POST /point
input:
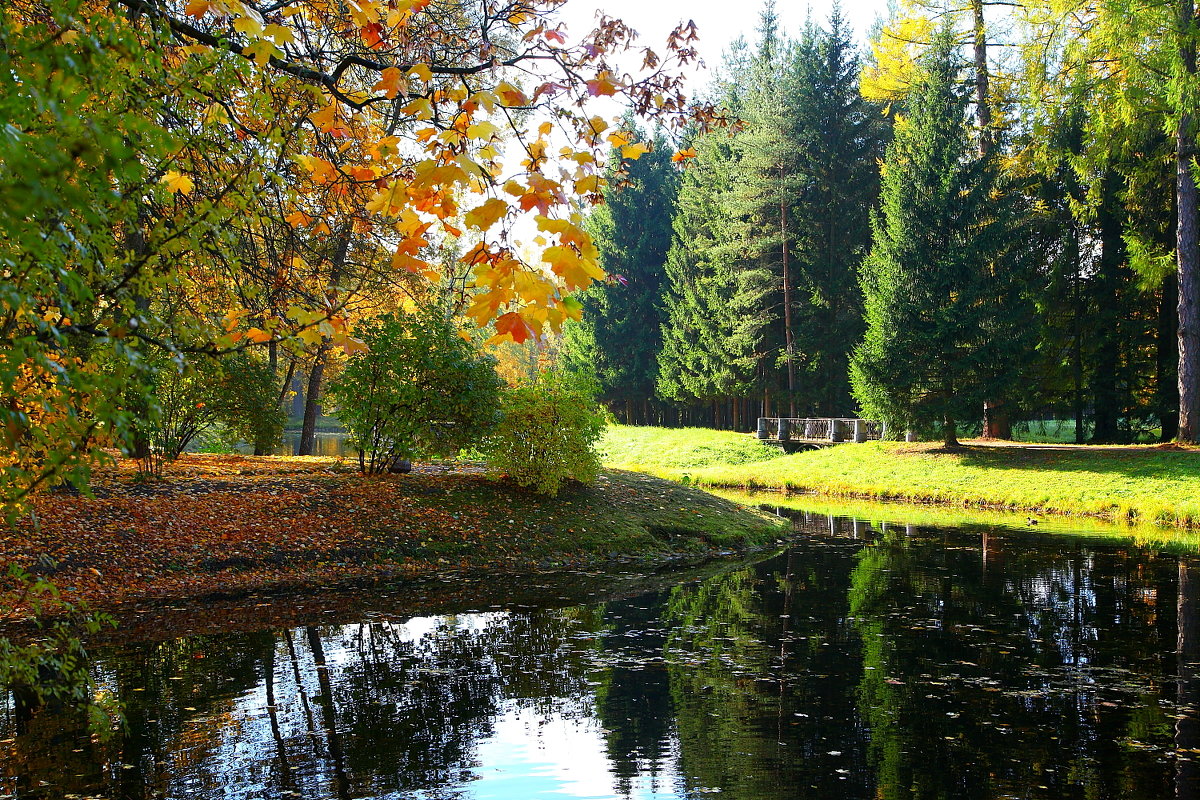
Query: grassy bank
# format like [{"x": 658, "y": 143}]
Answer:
[
  {"x": 222, "y": 525},
  {"x": 1159, "y": 485}
]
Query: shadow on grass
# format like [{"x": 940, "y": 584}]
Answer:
[{"x": 1130, "y": 463}]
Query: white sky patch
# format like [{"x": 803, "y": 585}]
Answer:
[{"x": 532, "y": 756}]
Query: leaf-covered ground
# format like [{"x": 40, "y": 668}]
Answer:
[{"x": 230, "y": 524}]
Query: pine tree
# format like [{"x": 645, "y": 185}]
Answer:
[
  {"x": 713, "y": 321},
  {"x": 931, "y": 353},
  {"x": 620, "y": 335},
  {"x": 838, "y": 138}
]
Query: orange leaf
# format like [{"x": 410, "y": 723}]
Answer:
[
  {"x": 603, "y": 85},
  {"x": 511, "y": 324},
  {"x": 391, "y": 83},
  {"x": 683, "y": 155}
]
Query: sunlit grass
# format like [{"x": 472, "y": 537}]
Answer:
[
  {"x": 675, "y": 452},
  {"x": 1146, "y": 484}
]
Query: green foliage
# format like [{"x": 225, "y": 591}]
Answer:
[
  {"x": 89, "y": 235},
  {"x": 237, "y": 392},
  {"x": 934, "y": 349},
  {"x": 620, "y": 334},
  {"x": 547, "y": 433},
  {"x": 248, "y": 402},
  {"x": 770, "y": 227},
  {"x": 50, "y": 667},
  {"x": 419, "y": 389}
]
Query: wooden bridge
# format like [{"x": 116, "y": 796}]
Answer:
[{"x": 817, "y": 432}]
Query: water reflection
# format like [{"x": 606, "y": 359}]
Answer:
[{"x": 889, "y": 662}]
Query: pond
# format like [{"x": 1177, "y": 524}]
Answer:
[{"x": 862, "y": 661}]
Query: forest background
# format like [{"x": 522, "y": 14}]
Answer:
[{"x": 205, "y": 198}]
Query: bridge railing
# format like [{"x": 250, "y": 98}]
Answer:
[{"x": 823, "y": 429}]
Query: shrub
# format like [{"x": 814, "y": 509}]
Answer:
[
  {"x": 547, "y": 433},
  {"x": 237, "y": 391},
  {"x": 419, "y": 389}
]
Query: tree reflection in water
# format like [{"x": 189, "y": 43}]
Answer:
[{"x": 865, "y": 661}]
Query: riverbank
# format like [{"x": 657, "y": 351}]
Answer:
[
  {"x": 1147, "y": 484},
  {"x": 229, "y": 525}
]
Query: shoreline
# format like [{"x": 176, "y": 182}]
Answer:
[{"x": 1153, "y": 484}]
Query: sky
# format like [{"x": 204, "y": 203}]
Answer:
[{"x": 718, "y": 23}]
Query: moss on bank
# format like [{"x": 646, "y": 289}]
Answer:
[{"x": 223, "y": 525}]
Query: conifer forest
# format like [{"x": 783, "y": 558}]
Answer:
[{"x": 984, "y": 216}]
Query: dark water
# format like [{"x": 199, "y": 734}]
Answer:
[
  {"x": 859, "y": 663},
  {"x": 324, "y": 444}
]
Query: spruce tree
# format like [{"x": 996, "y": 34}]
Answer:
[
  {"x": 838, "y": 138},
  {"x": 932, "y": 352},
  {"x": 620, "y": 335},
  {"x": 713, "y": 321}
]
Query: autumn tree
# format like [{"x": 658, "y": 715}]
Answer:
[{"x": 379, "y": 128}]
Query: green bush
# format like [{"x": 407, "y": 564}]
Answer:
[
  {"x": 419, "y": 389},
  {"x": 547, "y": 433},
  {"x": 237, "y": 392},
  {"x": 50, "y": 667}
]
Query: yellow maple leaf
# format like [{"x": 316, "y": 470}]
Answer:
[
  {"x": 620, "y": 138},
  {"x": 421, "y": 108},
  {"x": 281, "y": 34},
  {"x": 634, "y": 151},
  {"x": 261, "y": 51},
  {"x": 483, "y": 130},
  {"x": 485, "y": 216},
  {"x": 177, "y": 182},
  {"x": 575, "y": 270},
  {"x": 421, "y": 71}
]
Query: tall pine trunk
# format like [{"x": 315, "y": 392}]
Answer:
[
  {"x": 1187, "y": 250},
  {"x": 788, "y": 336},
  {"x": 996, "y": 421}
]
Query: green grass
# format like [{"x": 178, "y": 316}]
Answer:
[
  {"x": 675, "y": 452},
  {"x": 1143, "y": 484}
]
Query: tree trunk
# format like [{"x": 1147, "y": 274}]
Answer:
[
  {"x": 312, "y": 396},
  {"x": 1166, "y": 357},
  {"x": 312, "y": 399},
  {"x": 949, "y": 433},
  {"x": 788, "y": 339},
  {"x": 997, "y": 424},
  {"x": 1187, "y": 251},
  {"x": 1108, "y": 280}
]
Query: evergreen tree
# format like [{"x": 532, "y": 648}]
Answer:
[
  {"x": 932, "y": 353},
  {"x": 712, "y": 314},
  {"x": 619, "y": 337},
  {"x": 838, "y": 138}
]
